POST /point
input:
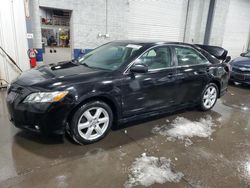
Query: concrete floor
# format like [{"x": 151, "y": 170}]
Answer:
[{"x": 29, "y": 160}]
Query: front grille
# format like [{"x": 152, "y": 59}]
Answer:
[
  {"x": 19, "y": 90},
  {"x": 242, "y": 71}
]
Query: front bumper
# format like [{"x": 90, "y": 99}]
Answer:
[
  {"x": 45, "y": 118},
  {"x": 240, "y": 77}
]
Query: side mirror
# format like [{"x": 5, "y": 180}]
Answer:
[
  {"x": 139, "y": 68},
  {"x": 228, "y": 59},
  {"x": 243, "y": 54}
]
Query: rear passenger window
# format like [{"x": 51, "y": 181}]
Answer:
[{"x": 188, "y": 56}]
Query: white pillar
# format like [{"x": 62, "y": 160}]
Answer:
[{"x": 36, "y": 28}]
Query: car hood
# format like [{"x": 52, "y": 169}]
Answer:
[
  {"x": 242, "y": 61},
  {"x": 54, "y": 72}
]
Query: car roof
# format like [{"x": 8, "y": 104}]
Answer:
[{"x": 151, "y": 42}]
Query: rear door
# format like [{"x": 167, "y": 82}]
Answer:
[
  {"x": 154, "y": 90},
  {"x": 192, "y": 74}
]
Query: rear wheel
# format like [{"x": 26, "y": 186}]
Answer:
[
  {"x": 91, "y": 122},
  {"x": 209, "y": 97}
]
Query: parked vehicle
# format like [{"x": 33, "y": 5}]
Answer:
[
  {"x": 116, "y": 83},
  {"x": 240, "y": 71}
]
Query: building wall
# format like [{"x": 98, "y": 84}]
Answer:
[
  {"x": 231, "y": 25},
  {"x": 89, "y": 19},
  {"x": 13, "y": 38},
  {"x": 196, "y": 21},
  {"x": 157, "y": 20},
  {"x": 237, "y": 27},
  {"x": 92, "y": 20},
  {"x": 249, "y": 41},
  {"x": 219, "y": 22}
]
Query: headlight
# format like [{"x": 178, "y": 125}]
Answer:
[{"x": 42, "y": 97}]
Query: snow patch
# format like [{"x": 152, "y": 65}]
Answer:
[
  {"x": 62, "y": 181},
  {"x": 147, "y": 170},
  {"x": 247, "y": 166},
  {"x": 184, "y": 129},
  {"x": 122, "y": 153},
  {"x": 245, "y": 108},
  {"x": 244, "y": 170}
]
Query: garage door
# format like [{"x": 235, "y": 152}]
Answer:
[
  {"x": 155, "y": 19},
  {"x": 236, "y": 34}
]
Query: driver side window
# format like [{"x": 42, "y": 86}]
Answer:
[{"x": 157, "y": 58}]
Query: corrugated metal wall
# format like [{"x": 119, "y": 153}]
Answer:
[
  {"x": 13, "y": 38},
  {"x": 157, "y": 19}
]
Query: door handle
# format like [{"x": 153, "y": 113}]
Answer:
[
  {"x": 204, "y": 71},
  {"x": 170, "y": 75}
]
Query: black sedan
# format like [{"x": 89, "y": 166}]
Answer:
[
  {"x": 116, "y": 83},
  {"x": 240, "y": 71}
]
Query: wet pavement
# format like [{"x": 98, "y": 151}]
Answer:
[{"x": 222, "y": 160}]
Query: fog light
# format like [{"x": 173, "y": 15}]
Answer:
[{"x": 37, "y": 127}]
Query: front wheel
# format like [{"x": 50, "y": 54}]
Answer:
[
  {"x": 91, "y": 122},
  {"x": 209, "y": 97}
]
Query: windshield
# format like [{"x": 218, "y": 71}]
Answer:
[
  {"x": 109, "y": 56},
  {"x": 247, "y": 54}
]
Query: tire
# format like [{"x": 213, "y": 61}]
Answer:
[
  {"x": 209, "y": 97},
  {"x": 91, "y": 122}
]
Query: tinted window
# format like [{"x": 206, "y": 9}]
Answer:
[
  {"x": 110, "y": 56},
  {"x": 188, "y": 56},
  {"x": 247, "y": 54},
  {"x": 159, "y": 57}
]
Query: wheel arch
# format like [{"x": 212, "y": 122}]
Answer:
[
  {"x": 218, "y": 84},
  {"x": 112, "y": 104}
]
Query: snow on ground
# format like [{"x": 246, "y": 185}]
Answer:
[
  {"x": 244, "y": 170},
  {"x": 247, "y": 167},
  {"x": 245, "y": 108},
  {"x": 184, "y": 129},
  {"x": 147, "y": 170}
]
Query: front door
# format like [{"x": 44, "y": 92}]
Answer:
[{"x": 154, "y": 90}]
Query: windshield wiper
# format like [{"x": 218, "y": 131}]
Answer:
[
  {"x": 74, "y": 61},
  {"x": 86, "y": 65}
]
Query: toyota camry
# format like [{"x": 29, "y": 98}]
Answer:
[{"x": 115, "y": 83}]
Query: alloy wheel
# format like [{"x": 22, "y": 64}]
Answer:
[
  {"x": 209, "y": 97},
  {"x": 93, "y": 123}
]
